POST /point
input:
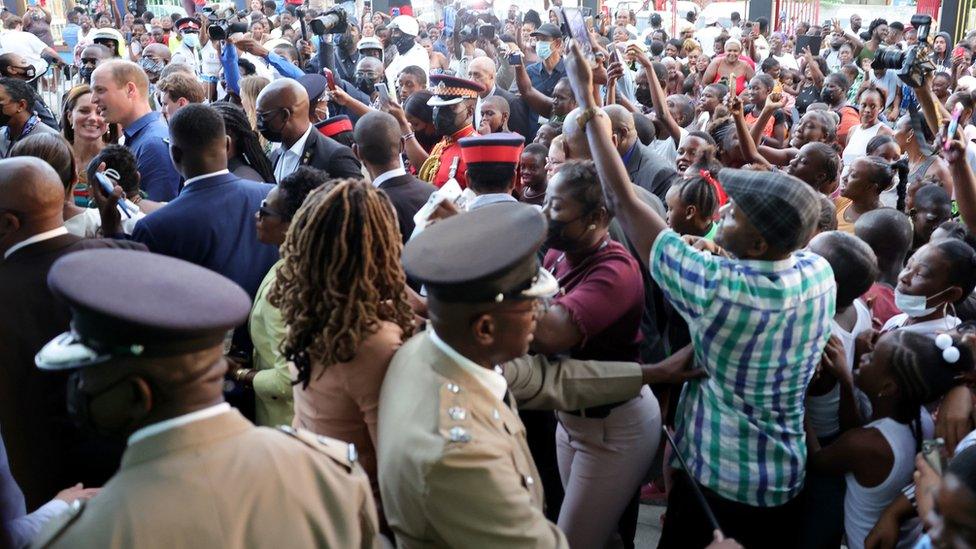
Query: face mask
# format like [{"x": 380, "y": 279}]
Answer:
[
  {"x": 444, "y": 120},
  {"x": 151, "y": 66},
  {"x": 404, "y": 43},
  {"x": 79, "y": 408},
  {"x": 267, "y": 132},
  {"x": 85, "y": 73},
  {"x": 643, "y": 96},
  {"x": 914, "y": 305},
  {"x": 543, "y": 49},
  {"x": 191, "y": 40},
  {"x": 365, "y": 85},
  {"x": 555, "y": 234}
]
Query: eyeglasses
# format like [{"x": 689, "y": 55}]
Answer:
[
  {"x": 265, "y": 211},
  {"x": 268, "y": 115}
]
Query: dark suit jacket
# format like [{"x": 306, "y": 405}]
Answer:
[
  {"x": 47, "y": 453},
  {"x": 521, "y": 119},
  {"x": 211, "y": 223},
  {"x": 408, "y": 194},
  {"x": 326, "y": 154},
  {"x": 649, "y": 170}
]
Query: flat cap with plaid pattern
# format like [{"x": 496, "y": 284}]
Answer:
[
  {"x": 783, "y": 208},
  {"x": 451, "y": 90}
]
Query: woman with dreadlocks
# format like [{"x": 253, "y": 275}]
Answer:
[
  {"x": 905, "y": 372},
  {"x": 246, "y": 158},
  {"x": 341, "y": 293}
]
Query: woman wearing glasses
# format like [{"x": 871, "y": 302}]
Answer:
[{"x": 268, "y": 372}]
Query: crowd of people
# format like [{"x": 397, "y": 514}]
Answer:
[{"x": 340, "y": 278}]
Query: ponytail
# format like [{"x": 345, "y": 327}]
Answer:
[{"x": 901, "y": 167}]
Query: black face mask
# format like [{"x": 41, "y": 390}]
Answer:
[
  {"x": 404, "y": 43},
  {"x": 365, "y": 85},
  {"x": 444, "y": 121},
  {"x": 828, "y": 97},
  {"x": 556, "y": 234},
  {"x": 86, "y": 73},
  {"x": 4, "y": 118},
  {"x": 273, "y": 135}
]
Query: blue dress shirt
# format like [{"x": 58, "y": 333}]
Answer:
[
  {"x": 544, "y": 81},
  {"x": 148, "y": 139}
]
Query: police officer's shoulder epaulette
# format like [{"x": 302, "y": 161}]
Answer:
[
  {"x": 59, "y": 524},
  {"x": 454, "y": 417},
  {"x": 341, "y": 452}
]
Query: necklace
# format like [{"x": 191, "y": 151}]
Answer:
[{"x": 562, "y": 256}]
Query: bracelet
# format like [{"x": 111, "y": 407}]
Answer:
[{"x": 408, "y": 136}]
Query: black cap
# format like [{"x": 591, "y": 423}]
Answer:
[
  {"x": 314, "y": 85},
  {"x": 548, "y": 30},
  {"x": 484, "y": 256},
  {"x": 130, "y": 303}
]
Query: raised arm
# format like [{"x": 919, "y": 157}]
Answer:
[
  {"x": 746, "y": 142},
  {"x": 658, "y": 97},
  {"x": 415, "y": 153},
  {"x": 964, "y": 182},
  {"x": 815, "y": 72},
  {"x": 539, "y": 102},
  {"x": 641, "y": 224}
]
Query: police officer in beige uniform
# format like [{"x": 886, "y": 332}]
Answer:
[
  {"x": 454, "y": 466},
  {"x": 146, "y": 344}
]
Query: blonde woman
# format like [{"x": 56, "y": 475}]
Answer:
[{"x": 251, "y": 86}]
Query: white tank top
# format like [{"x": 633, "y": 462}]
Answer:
[
  {"x": 857, "y": 142},
  {"x": 824, "y": 410},
  {"x": 863, "y": 506}
]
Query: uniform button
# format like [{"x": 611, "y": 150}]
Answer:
[
  {"x": 453, "y": 388},
  {"x": 456, "y": 413},
  {"x": 351, "y": 453},
  {"x": 459, "y": 434},
  {"x": 495, "y": 414},
  {"x": 529, "y": 481}
]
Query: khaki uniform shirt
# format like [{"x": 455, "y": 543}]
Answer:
[
  {"x": 454, "y": 466},
  {"x": 222, "y": 482}
]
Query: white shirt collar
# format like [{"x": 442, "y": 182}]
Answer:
[
  {"x": 178, "y": 421},
  {"x": 204, "y": 176},
  {"x": 493, "y": 380},
  {"x": 386, "y": 176},
  {"x": 46, "y": 235},
  {"x": 299, "y": 145},
  {"x": 483, "y": 200}
]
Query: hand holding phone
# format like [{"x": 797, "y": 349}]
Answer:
[{"x": 107, "y": 187}]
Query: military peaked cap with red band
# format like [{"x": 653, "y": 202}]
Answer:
[
  {"x": 451, "y": 90},
  {"x": 494, "y": 147},
  {"x": 187, "y": 23},
  {"x": 331, "y": 127}
]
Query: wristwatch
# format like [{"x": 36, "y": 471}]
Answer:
[{"x": 585, "y": 117}]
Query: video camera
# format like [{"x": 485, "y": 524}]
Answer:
[
  {"x": 330, "y": 22},
  {"x": 220, "y": 29},
  {"x": 914, "y": 64}
]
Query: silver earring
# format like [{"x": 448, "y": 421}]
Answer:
[{"x": 591, "y": 227}]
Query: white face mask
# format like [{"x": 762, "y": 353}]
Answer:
[
  {"x": 191, "y": 40},
  {"x": 914, "y": 305}
]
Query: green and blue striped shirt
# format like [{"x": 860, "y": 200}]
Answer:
[{"x": 758, "y": 328}]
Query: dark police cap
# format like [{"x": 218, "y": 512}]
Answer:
[
  {"x": 130, "y": 303},
  {"x": 314, "y": 85},
  {"x": 484, "y": 256},
  {"x": 781, "y": 207}
]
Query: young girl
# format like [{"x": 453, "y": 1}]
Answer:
[
  {"x": 903, "y": 373},
  {"x": 693, "y": 202},
  {"x": 711, "y": 97},
  {"x": 861, "y": 188}
]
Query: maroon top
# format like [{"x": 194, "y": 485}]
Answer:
[{"x": 604, "y": 294}]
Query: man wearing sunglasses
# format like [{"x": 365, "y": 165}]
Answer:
[{"x": 282, "y": 117}]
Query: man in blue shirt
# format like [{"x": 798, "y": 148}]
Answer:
[
  {"x": 549, "y": 47},
  {"x": 121, "y": 90}
]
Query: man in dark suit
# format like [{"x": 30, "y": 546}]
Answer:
[
  {"x": 282, "y": 117},
  {"x": 378, "y": 145},
  {"x": 211, "y": 223},
  {"x": 521, "y": 120},
  {"x": 47, "y": 453},
  {"x": 646, "y": 168}
]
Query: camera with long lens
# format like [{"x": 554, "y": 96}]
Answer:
[
  {"x": 221, "y": 29},
  {"x": 914, "y": 64},
  {"x": 330, "y": 22}
]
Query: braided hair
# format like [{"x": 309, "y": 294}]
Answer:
[
  {"x": 922, "y": 373},
  {"x": 341, "y": 276},
  {"x": 245, "y": 138},
  {"x": 883, "y": 174}
]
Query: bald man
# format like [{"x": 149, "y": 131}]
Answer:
[
  {"x": 282, "y": 117},
  {"x": 46, "y": 453},
  {"x": 483, "y": 71},
  {"x": 154, "y": 59},
  {"x": 120, "y": 89},
  {"x": 494, "y": 115}
]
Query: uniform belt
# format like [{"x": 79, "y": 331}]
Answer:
[{"x": 596, "y": 412}]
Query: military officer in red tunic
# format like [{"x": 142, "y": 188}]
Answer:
[{"x": 454, "y": 102}]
